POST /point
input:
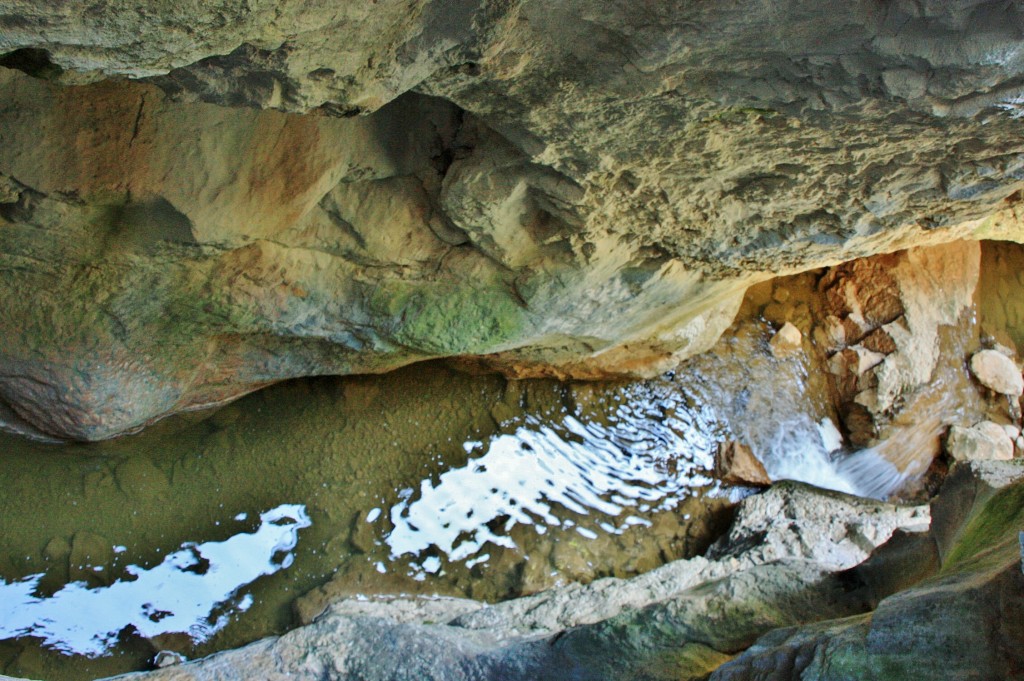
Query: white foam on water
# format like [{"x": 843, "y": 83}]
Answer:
[
  {"x": 810, "y": 452},
  {"x": 179, "y": 595}
]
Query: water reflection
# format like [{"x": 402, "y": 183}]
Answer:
[
  {"x": 424, "y": 480},
  {"x": 194, "y": 591},
  {"x": 535, "y": 474}
]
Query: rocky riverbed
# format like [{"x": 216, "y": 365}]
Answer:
[{"x": 737, "y": 614}]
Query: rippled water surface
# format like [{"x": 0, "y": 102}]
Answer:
[
  {"x": 192, "y": 591},
  {"x": 213, "y": 530}
]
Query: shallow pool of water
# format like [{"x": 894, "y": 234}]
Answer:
[{"x": 203, "y": 532}]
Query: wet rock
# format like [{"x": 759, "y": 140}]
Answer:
[
  {"x": 997, "y": 372},
  {"x": 981, "y": 442},
  {"x": 735, "y": 463},
  {"x": 9, "y": 191},
  {"x": 57, "y": 549},
  {"x": 966, "y": 622},
  {"x": 786, "y": 340},
  {"x": 364, "y": 532},
  {"x": 167, "y": 658},
  {"x": 90, "y": 559},
  {"x": 139, "y": 478}
]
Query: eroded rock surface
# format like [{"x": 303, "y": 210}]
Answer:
[
  {"x": 884, "y": 319},
  {"x": 966, "y": 622},
  {"x": 581, "y": 189}
]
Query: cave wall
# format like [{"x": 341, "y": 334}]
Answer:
[{"x": 198, "y": 199}]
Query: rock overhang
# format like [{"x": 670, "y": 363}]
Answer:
[{"x": 574, "y": 190}]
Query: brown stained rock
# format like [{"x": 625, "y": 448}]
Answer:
[
  {"x": 997, "y": 372},
  {"x": 896, "y": 362},
  {"x": 880, "y": 342},
  {"x": 735, "y": 463}
]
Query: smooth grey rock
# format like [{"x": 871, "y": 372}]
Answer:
[{"x": 834, "y": 530}]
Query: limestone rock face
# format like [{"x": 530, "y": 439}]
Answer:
[
  {"x": 889, "y": 312},
  {"x": 895, "y": 328},
  {"x": 572, "y": 189}
]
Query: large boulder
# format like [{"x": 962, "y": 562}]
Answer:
[
  {"x": 982, "y": 441},
  {"x": 997, "y": 372},
  {"x": 966, "y": 622}
]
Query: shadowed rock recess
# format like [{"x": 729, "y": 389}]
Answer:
[{"x": 574, "y": 189}]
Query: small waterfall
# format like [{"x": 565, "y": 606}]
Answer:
[
  {"x": 813, "y": 453},
  {"x": 779, "y": 407}
]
